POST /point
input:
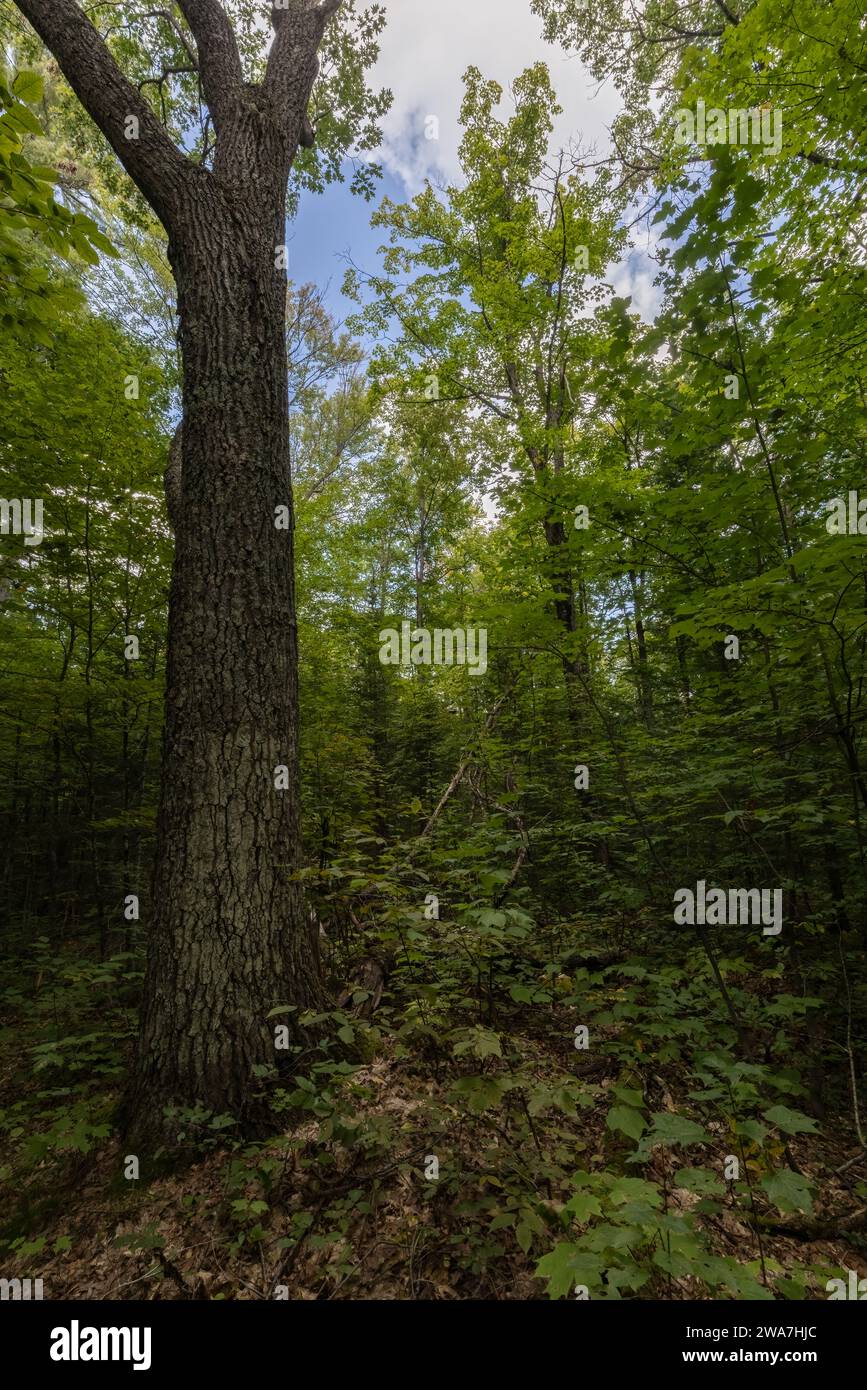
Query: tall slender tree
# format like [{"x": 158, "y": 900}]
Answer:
[{"x": 228, "y": 938}]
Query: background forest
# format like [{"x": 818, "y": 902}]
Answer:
[{"x": 530, "y": 1080}]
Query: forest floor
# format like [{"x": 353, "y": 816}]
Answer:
[{"x": 425, "y": 1170}]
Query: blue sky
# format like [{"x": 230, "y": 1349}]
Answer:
[
  {"x": 330, "y": 226},
  {"x": 426, "y": 48}
]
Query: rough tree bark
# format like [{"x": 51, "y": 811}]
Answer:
[{"x": 230, "y": 937}]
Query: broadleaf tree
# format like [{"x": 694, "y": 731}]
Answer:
[{"x": 229, "y": 938}]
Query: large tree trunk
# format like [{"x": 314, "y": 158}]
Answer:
[{"x": 229, "y": 939}]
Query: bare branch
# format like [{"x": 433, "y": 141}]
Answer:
[
  {"x": 164, "y": 77},
  {"x": 160, "y": 81}
]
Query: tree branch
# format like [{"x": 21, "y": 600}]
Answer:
[
  {"x": 219, "y": 59},
  {"x": 147, "y": 153},
  {"x": 729, "y": 14},
  {"x": 292, "y": 63},
  {"x": 176, "y": 29}
]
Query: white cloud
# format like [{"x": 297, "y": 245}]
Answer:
[
  {"x": 427, "y": 47},
  {"x": 634, "y": 278}
]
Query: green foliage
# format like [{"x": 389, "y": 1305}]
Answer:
[
  {"x": 32, "y": 294},
  {"x": 633, "y": 1241}
]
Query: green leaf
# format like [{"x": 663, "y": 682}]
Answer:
[
  {"x": 628, "y": 1096},
  {"x": 752, "y": 1129},
  {"x": 567, "y": 1265},
  {"x": 490, "y": 917},
  {"x": 671, "y": 1129},
  {"x": 482, "y": 1092},
  {"x": 626, "y": 1120},
  {"x": 583, "y": 1205},
  {"x": 29, "y": 86},
  {"x": 701, "y": 1180},
  {"x": 790, "y": 1121},
  {"x": 627, "y": 1189},
  {"x": 789, "y": 1191},
  {"x": 524, "y": 1236},
  {"x": 480, "y": 1043},
  {"x": 22, "y": 118}
]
